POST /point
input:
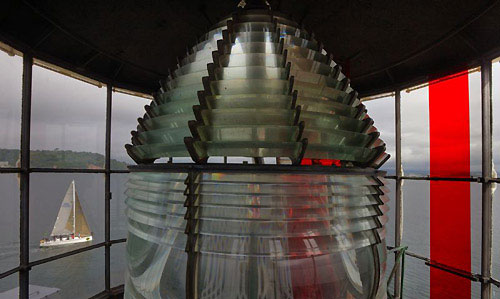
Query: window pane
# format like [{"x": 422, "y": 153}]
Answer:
[
  {"x": 496, "y": 112},
  {"x": 415, "y": 132},
  {"x": 417, "y": 279},
  {"x": 416, "y": 231},
  {"x": 382, "y": 112},
  {"x": 475, "y": 123},
  {"x": 118, "y": 264},
  {"x": 47, "y": 192},
  {"x": 475, "y": 226},
  {"x": 8, "y": 283},
  {"x": 416, "y": 217},
  {"x": 496, "y": 235},
  {"x": 77, "y": 276},
  {"x": 415, "y": 127},
  {"x": 10, "y": 108},
  {"x": 67, "y": 122},
  {"x": 118, "y": 218},
  {"x": 416, "y": 196},
  {"x": 496, "y": 241},
  {"x": 496, "y": 160},
  {"x": 9, "y": 222},
  {"x": 126, "y": 110}
]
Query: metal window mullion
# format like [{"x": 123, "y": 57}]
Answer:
[
  {"x": 107, "y": 191},
  {"x": 429, "y": 178},
  {"x": 487, "y": 167},
  {"x": 9, "y": 272},
  {"x": 25, "y": 176},
  {"x": 248, "y": 168},
  {"x": 399, "y": 191}
]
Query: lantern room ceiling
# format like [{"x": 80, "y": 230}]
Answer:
[{"x": 380, "y": 44}]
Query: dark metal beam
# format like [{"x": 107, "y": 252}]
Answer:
[
  {"x": 443, "y": 267},
  {"x": 91, "y": 58},
  {"x": 60, "y": 256},
  {"x": 462, "y": 35},
  {"x": 62, "y": 170},
  {"x": 304, "y": 16},
  {"x": 85, "y": 42},
  {"x": 399, "y": 191},
  {"x": 23, "y": 47},
  {"x": 487, "y": 173},
  {"x": 25, "y": 177},
  {"x": 117, "y": 71},
  {"x": 7, "y": 8},
  {"x": 454, "y": 271},
  {"x": 203, "y": 11},
  {"x": 107, "y": 189},
  {"x": 468, "y": 42},
  {"x": 389, "y": 74},
  {"x": 10, "y": 170},
  {"x": 44, "y": 37},
  {"x": 67, "y": 170},
  {"x": 429, "y": 178},
  {"x": 251, "y": 168},
  {"x": 73, "y": 252},
  {"x": 454, "y": 31},
  {"x": 66, "y": 254},
  {"x": 9, "y": 272}
]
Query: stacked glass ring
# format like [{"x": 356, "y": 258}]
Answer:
[
  {"x": 255, "y": 235},
  {"x": 257, "y": 85}
]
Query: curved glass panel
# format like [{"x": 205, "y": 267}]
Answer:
[{"x": 238, "y": 234}]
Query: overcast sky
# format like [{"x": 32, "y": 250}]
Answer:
[
  {"x": 70, "y": 114},
  {"x": 66, "y": 113},
  {"x": 415, "y": 124}
]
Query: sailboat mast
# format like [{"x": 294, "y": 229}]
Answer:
[{"x": 74, "y": 208}]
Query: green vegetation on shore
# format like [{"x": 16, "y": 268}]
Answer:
[{"x": 59, "y": 159}]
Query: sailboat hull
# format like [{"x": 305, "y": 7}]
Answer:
[{"x": 76, "y": 240}]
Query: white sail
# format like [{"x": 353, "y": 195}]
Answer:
[
  {"x": 64, "y": 221},
  {"x": 70, "y": 219},
  {"x": 81, "y": 226}
]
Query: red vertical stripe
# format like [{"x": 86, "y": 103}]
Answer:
[{"x": 450, "y": 201}]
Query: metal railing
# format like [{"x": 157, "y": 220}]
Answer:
[{"x": 399, "y": 266}]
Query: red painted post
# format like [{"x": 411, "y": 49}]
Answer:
[{"x": 450, "y": 240}]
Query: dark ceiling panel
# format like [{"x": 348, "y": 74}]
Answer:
[{"x": 381, "y": 44}]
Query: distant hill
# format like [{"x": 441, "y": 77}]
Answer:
[{"x": 59, "y": 159}]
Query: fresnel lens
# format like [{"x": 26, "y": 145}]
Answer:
[{"x": 257, "y": 86}]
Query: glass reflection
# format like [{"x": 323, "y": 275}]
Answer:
[{"x": 255, "y": 236}]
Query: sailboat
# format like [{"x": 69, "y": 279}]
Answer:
[{"x": 71, "y": 227}]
